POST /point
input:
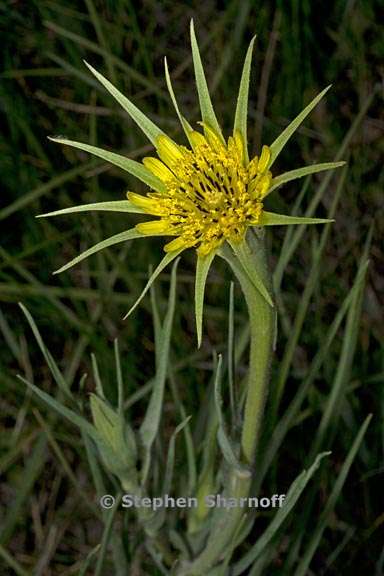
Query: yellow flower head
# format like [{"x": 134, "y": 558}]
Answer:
[
  {"x": 205, "y": 196},
  {"x": 211, "y": 194}
]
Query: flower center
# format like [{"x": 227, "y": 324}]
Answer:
[{"x": 211, "y": 196}]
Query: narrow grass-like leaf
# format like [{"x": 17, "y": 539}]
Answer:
[
  {"x": 167, "y": 486},
  {"x": 286, "y": 420},
  {"x": 225, "y": 443},
  {"x": 147, "y": 126},
  {"x": 163, "y": 264},
  {"x": 207, "y": 112},
  {"x": 106, "y": 537},
  {"x": 151, "y": 423},
  {"x": 69, "y": 414},
  {"x": 294, "y": 493},
  {"x": 277, "y": 146},
  {"x": 272, "y": 219},
  {"x": 317, "y": 533},
  {"x": 121, "y": 237},
  {"x": 186, "y": 126},
  {"x": 113, "y": 206},
  {"x": 301, "y": 172},
  {"x": 31, "y": 473},
  {"x": 57, "y": 375},
  {"x": 10, "y": 560},
  {"x": 242, "y": 252},
  {"x": 202, "y": 268},
  {"x": 335, "y": 397},
  {"x": 132, "y": 166},
  {"x": 241, "y": 115}
]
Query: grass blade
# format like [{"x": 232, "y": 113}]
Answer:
[
  {"x": 303, "y": 567},
  {"x": 151, "y": 423},
  {"x": 294, "y": 493}
]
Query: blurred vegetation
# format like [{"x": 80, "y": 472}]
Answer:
[{"x": 48, "y": 516}]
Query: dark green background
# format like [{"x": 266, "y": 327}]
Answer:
[{"x": 45, "y": 89}]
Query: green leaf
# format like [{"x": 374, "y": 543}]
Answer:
[
  {"x": 57, "y": 375},
  {"x": 163, "y": 264},
  {"x": 202, "y": 269},
  {"x": 135, "y": 168},
  {"x": 70, "y": 415},
  {"x": 114, "y": 206},
  {"x": 277, "y": 146},
  {"x": 317, "y": 532},
  {"x": 272, "y": 219},
  {"x": 243, "y": 253},
  {"x": 207, "y": 112},
  {"x": 121, "y": 237},
  {"x": 241, "y": 114},
  {"x": 147, "y": 126},
  {"x": 186, "y": 126},
  {"x": 150, "y": 426},
  {"x": 300, "y": 172},
  {"x": 290, "y": 501},
  {"x": 225, "y": 443}
]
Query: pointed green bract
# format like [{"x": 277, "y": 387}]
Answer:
[
  {"x": 272, "y": 219},
  {"x": 147, "y": 126},
  {"x": 163, "y": 264},
  {"x": 121, "y": 237},
  {"x": 186, "y": 126},
  {"x": 277, "y": 146},
  {"x": 241, "y": 250},
  {"x": 202, "y": 269},
  {"x": 241, "y": 115},
  {"x": 135, "y": 168},
  {"x": 207, "y": 112},
  {"x": 300, "y": 172},
  {"x": 114, "y": 206}
]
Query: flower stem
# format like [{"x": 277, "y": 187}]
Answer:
[{"x": 262, "y": 334}]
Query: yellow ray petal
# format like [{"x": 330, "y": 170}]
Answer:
[
  {"x": 264, "y": 159},
  {"x": 176, "y": 244},
  {"x": 154, "y": 227},
  {"x": 159, "y": 169},
  {"x": 168, "y": 151},
  {"x": 147, "y": 204}
]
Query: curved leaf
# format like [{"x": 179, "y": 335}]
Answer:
[
  {"x": 272, "y": 219},
  {"x": 241, "y": 114},
  {"x": 163, "y": 264},
  {"x": 300, "y": 172},
  {"x": 135, "y": 168},
  {"x": 202, "y": 269},
  {"x": 147, "y": 126},
  {"x": 277, "y": 146},
  {"x": 115, "y": 206},
  {"x": 121, "y": 237},
  {"x": 207, "y": 112}
]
